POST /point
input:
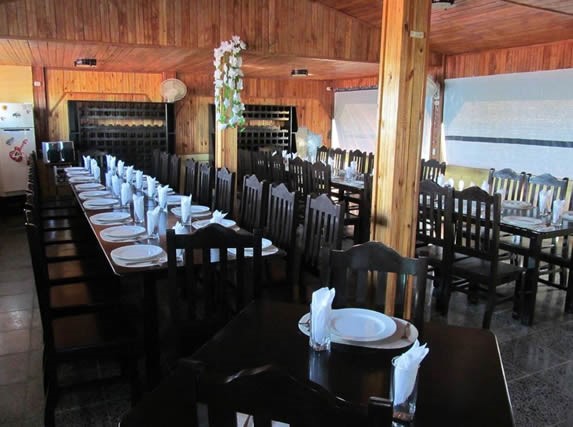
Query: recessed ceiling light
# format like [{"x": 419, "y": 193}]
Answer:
[
  {"x": 299, "y": 72},
  {"x": 85, "y": 62}
]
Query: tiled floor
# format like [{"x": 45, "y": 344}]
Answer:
[{"x": 538, "y": 360}]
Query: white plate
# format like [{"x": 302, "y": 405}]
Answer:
[
  {"x": 78, "y": 173},
  {"x": 357, "y": 324},
  {"x": 101, "y": 202},
  {"x": 74, "y": 168},
  {"x": 515, "y": 204},
  {"x": 94, "y": 194},
  {"x": 195, "y": 210},
  {"x": 123, "y": 232},
  {"x": 133, "y": 253},
  {"x": 205, "y": 222},
  {"x": 90, "y": 186},
  {"x": 265, "y": 244},
  {"x": 174, "y": 199},
  {"x": 567, "y": 215},
  {"x": 399, "y": 339},
  {"x": 521, "y": 221},
  {"x": 75, "y": 179},
  {"x": 111, "y": 217}
]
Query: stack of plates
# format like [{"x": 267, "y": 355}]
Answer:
[
  {"x": 205, "y": 222},
  {"x": 94, "y": 194},
  {"x": 522, "y": 221},
  {"x": 76, "y": 179},
  {"x": 89, "y": 186},
  {"x": 122, "y": 233},
  {"x": 137, "y": 256},
  {"x": 94, "y": 204},
  {"x": 196, "y": 210},
  {"x": 266, "y": 245},
  {"x": 110, "y": 218}
]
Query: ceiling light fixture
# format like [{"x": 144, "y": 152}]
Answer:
[
  {"x": 299, "y": 72},
  {"x": 85, "y": 62},
  {"x": 442, "y": 4}
]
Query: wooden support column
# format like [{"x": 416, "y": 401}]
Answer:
[
  {"x": 41, "y": 113},
  {"x": 226, "y": 148},
  {"x": 402, "y": 79}
]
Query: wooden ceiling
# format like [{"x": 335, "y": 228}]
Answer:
[{"x": 331, "y": 38}]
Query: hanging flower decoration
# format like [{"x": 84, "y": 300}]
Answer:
[{"x": 229, "y": 83}]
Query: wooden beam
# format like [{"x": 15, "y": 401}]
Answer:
[
  {"x": 41, "y": 112},
  {"x": 402, "y": 79}
]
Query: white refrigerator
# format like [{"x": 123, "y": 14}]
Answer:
[{"x": 16, "y": 143}]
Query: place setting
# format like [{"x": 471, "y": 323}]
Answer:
[
  {"x": 267, "y": 248},
  {"x": 196, "y": 211},
  {"x": 111, "y": 218},
  {"x": 523, "y": 221},
  {"x": 81, "y": 179},
  {"x": 94, "y": 194},
  {"x": 123, "y": 233},
  {"x": 218, "y": 218},
  {"x": 139, "y": 256},
  {"x": 103, "y": 203},
  {"x": 89, "y": 186}
]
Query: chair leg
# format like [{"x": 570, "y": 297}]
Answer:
[
  {"x": 569, "y": 292},
  {"x": 489, "y": 307},
  {"x": 51, "y": 395}
]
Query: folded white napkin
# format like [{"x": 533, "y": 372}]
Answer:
[
  {"x": 450, "y": 182},
  {"x": 120, "y": 166},
  {"x": 472, "y": 184},
  {"x": 125, "y": 193},
  {"x": 353, "y": 165},
  {"x": 285, "y": 154},
  {"x": 461, "y": 185},
  {"x": 116, "y": 185},
  {"x": 138, "y": 180},
  {"x": 179, "y": 229},
  {"x": 405, "y": 371},
  {"x": 108, "y": 179},
  {"x": 218, "y": 217},
  {"x": 151, "y": 182},
  {"x": 501, "y": 191},
  {"x": 93, "y": 164},
  {"x": 485, "y": 186},
  {"x": 186, "y": 209},
  {"x": 138, "y": 208},
  {"x": 96, "y": 172},
  {"x": 162, "y": 196},
  {"x": 544, "y": 200},
  {"x": 558, "y": 209},
  {"x": 320, "y": 308},
  {"x": 153, "y": 220},
  {"x": 129, "y": 174},
  {"x": 330, "y": 162},
  {"x": 348, "y": 173},
  {"x": 441, "y": 180},
  {"x": 111, "y": 163},
  {"x": 87, "y": 162}
]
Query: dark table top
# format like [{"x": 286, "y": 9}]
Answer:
[{"x": 461, "y": 380}]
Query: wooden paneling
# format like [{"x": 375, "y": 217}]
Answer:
[
  {"x": 559, "y": 6},
  {"x": 65, "y": 85},
  {"x": 552, "y": 56}
]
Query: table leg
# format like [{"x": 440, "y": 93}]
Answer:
[
  {"x": 569, "y": 294},
  {"x": 530, "y": 285},
  {"x": 151, "y": 331}
]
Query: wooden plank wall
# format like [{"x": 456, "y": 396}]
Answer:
[
  {"x": 292, "y": 27},
  {"x": 551, "y": 56}
]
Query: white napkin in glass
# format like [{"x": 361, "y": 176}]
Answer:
[
  {"x": 96, "y": 172},
  {"x": 116, "y": 185},
  {"x": 405, "y": 371},
  {"x": 138, "y": 208},
  {"x": 353, "y": 165},
  {"x": 179, "y": 229},
  {"x": 151, "y": 182},
  {"x": 125, "y": 193},
  {"x": 186, "y": 209},
  {"x": 348, "y": 173},
  {"x": 549, "y": 199},
  {"x": 120, "y": 166},
  {"x": 218, "y": 217},
  {"x": 501, "y": 191},
  {"x": 162, "y": 196},
  {"x": 111, "y": 163},
  {"x": 558, "y": 209},
  {"x": 450, "y": 182},
  {"x": 485, "y": 186},
  {"x": 87, "y": 162},
  {"x": 152, "y": 219},
  {"x": 461, "y": 185},
  {"x": 108, "y": 179},
  {"x": 138, "y": 180},
  {"x": 544, "y": 200},
  {"x": 93, "y": 164},
  {"x": 285, "y": 154},
  {"x": 129, "y": 174},
  {"x": 441, "y": 180},
  {"x": 320, "y": 308}
]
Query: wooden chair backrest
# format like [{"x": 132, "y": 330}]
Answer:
[
  {"x": 431, "y": 169},
  {"x": 252, "y": 213},
  {"x": 319, "y": 178},
  {"x": 511, "y": 183},
  {"x": 191, "y": 176},
  {"x": 224, "y": 198},
  {"x": 205, "y": 185},
  {"x": 281, "y": 221},
  {"x": 174, "y": 172},
  {"x": 545, "y": 182}
]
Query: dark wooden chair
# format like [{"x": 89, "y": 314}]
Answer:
[
  {"x": 350, "y": 272},
  {"x": 164, "y": 168},
  {"x": 191, "y": 177},
  {"x": 266, "y": 392},
  {"x": 174, "y": 172},
  {"x": 155, "y": 163},
  {"x": 512, "y": 184},
  {"x": 322, "y": 230},
  {"x": 253, "y": 209},
  {"x": 72, "y": 333},
  {"x": 360, "y": 218},
  {"x": 476, "y": 235},
  {"x": 244, "y": 166},
  {"x": 322, "y": 154},
  {"x": 224, "y": 197},
  {"x": 204, "y": 295},
  {"x": 338, "y": 156},
  {"x": 435, "y": 232},
  {"x": 299, "y": 181},
  {"x": 431, "y": 169},
  {"x": 262, "y": 165},
  {"x": 361, "y": 159},
  {"x": 370, "y": 166},
  {"x": 545, "y": 182},
  {"x": 205, "y": 185},
  {"x": 278, "y": 170},
  {"x": 320, "y": 175}
]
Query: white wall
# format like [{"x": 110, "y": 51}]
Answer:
[
  {"x": 355, "y": 118},
  {"x": 523, "y": 121}
]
